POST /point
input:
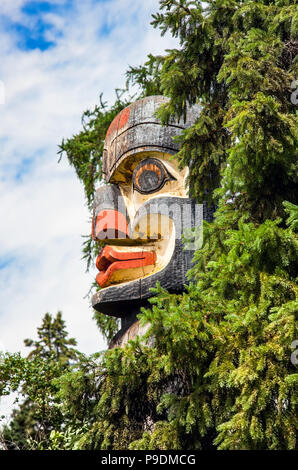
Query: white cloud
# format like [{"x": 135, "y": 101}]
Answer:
[
  {"x": 42, "y": 212},
  {"x": 12, "y": 9}
]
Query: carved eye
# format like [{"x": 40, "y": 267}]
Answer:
[{"x": 150, "y": 176}]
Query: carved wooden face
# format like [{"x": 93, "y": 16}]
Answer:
[{"x": 139, "y": 217}]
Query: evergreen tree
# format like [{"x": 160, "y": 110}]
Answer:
[
  {"x": 38, "y": 414},
  {"x": 219, "y": 373},
  {"x": 53, "y": 341}
]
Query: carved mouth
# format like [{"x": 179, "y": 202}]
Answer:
[{"x": 109, "y": 261}]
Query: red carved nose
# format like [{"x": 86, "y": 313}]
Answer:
[{"x": 109, "y": 224}]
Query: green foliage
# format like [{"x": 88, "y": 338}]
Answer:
[
  {"x": 53, "y": 341},
  {"x": 293, "y": 215},
  {"x": 237, "y": 59},
  {"x": 146, "y": 77},
  {"x": 214, "y": 369},
  {"x": 107, "y": 325},
  {"x": 32, "y": 377},
  {"x": 84, "y": 150},
  {"x": 218, "y": 372}
]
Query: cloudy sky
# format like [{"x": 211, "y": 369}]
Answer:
[{"x": 56, "y": 57}]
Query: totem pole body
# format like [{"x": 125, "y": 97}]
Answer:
[{"x": 140, "y": 216}]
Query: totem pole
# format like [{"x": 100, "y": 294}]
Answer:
[{"x": 141, "y": 215}]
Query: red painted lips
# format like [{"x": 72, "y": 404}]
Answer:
[{"x": 110, "y": 260}]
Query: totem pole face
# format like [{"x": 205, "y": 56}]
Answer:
[{"x": 140, "y": 216}]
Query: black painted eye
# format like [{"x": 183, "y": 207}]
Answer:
[{"x": 150, "y": 176}]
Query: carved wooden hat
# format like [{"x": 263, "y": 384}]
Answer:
[{"x": 137, "y": 129}]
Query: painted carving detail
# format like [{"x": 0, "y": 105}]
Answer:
[{"x": 141, "y": 215}]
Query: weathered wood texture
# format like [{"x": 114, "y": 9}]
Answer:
[
  {"x": 136, "y": 128},
  {"x": 134, "y": 131},
  {"x": 172, "y": 277}
]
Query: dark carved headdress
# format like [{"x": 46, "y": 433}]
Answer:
[{"x": 137, "y": 129}]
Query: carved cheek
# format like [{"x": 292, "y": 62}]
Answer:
[{"x": 153, "y": 227}]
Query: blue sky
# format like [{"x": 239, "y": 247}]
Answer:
[
  {"x": 33, "y": 35},
  {"x": 32, "y": 30},
  {"x": 56, "y": 58}
]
